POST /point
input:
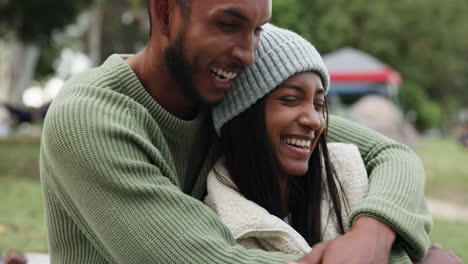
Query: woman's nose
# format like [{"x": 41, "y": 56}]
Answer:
[{"x": 311, "y": 119}]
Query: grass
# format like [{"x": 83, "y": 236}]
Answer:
[
  {"x": 20, "y": 158},
  {"x": 452, "y": 235},
  {"x": 21, "y": 207},
  {"x": 22, "y": 224},
  {"x": 446, "y": 166}
]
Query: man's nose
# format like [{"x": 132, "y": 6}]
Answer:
[{"x": 244, "y": 51}]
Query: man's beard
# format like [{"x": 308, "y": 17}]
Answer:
[{"x": 181, "y": 70}]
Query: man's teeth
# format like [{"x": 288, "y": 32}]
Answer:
[
  {"x": 222, "y": 75},
  {"x": 298, "y": 142}
]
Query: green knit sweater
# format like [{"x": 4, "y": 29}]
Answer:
[{"x": 122, "y": 179}]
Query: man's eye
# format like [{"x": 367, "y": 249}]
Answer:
[
  {"x": 226, "y": 25},
  {"x": 258, "y": 30}
]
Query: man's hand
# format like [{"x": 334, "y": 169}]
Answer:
[{"x": 369, "y": 241}]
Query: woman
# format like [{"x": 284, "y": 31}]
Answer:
[
  {"x": 277, "y": 187},
  {"x": 276, "y": 155}
]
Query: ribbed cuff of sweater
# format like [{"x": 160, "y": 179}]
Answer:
[{"x": 393, "y": 216}]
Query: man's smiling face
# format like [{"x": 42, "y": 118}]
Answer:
[{"x": 211, "y": 46}]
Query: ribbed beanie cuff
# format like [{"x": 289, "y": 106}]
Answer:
[{"x": 281, "y": 54}]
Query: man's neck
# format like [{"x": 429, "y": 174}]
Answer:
[{"x": 150, "y": 69}]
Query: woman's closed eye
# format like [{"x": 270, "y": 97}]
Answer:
[
  {"x": 289, "y": 99},
  {"x": 320, "y": 105}
]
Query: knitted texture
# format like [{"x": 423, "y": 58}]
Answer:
[
  {"x": 281, "y": 54},
  {"x": 122, "y": 179},
  {"x": 252, "y": 225},
  {"x": 396, "y": 185}
]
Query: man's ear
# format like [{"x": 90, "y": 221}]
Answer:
[{"x": 161, "y": 8}]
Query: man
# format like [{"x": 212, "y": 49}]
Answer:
[{"x": 127, "y": 146}]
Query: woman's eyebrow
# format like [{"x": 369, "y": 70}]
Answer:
[
  {"x": 320, "y": 91},
  {"x": 292, "y": 86}
]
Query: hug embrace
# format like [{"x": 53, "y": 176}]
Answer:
[
  {"x": 280, "y": 185},
  {"x": 223, "y": 108}
]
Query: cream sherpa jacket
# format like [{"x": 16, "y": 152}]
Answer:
[{"x": 252, "y": 225}]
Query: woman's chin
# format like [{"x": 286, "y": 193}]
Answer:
[
  {"x": 293, "y": 166},
  {"x": 297, "y": 172}
]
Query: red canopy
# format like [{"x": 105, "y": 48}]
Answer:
[{"x": 352, "y": 65}]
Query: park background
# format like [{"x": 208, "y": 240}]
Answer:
[{"x": 44, "y": 42}]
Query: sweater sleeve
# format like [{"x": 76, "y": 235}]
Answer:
[
  {"x": 125, "y": 202},
  {"x": 396, "y": 185}
]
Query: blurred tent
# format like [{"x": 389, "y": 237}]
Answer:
[
  {"x": 354, "y": 72},
  {"x": 25, "y": 114},
  {"x": 381, "y": 115},
  {"x": 367, "y": 87}
]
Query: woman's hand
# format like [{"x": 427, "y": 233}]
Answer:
[{"x": 369, "y": 241}]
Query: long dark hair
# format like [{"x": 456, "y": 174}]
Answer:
[{"x": 252, "y": 167}]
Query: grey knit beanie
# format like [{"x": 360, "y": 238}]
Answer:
[{"x": 281, "y": 54}]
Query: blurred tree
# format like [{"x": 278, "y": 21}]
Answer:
[
  {"x": 413, "y": 98},
  {"x": 127, "y": 29},
  {"x": 35, "y": 21},
  {"x": 95, "y": 32},
  {"x": 425, "y": 40},
  {"x": 26, "y": 27}
]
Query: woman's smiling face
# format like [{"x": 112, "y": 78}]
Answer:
[{"x": 294, "y": 120}]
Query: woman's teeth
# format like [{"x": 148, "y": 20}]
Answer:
[
  {"x": 222, "y": 75},
  {"x": 298, "y": 142}
]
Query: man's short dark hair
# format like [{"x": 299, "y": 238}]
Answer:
[{"x": 184, "y": 4}]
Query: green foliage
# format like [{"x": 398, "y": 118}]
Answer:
[
  {"x": 34, "y": 21},
  {"x": 121, "y": 37},
  {"x": 45, "y": 64},
  {"x": 425, "y": 40},
  {"x": 413, "y": 98}
]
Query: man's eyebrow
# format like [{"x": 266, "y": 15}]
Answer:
[
  {"x": 266, "y": 21},
  {"x": 238, "y": 14}
]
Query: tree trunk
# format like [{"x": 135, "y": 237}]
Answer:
[
  {"x": 5, "y": 69},
  {"x": 95, "y": 34},
  {"x": 17, "y": 65}
]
